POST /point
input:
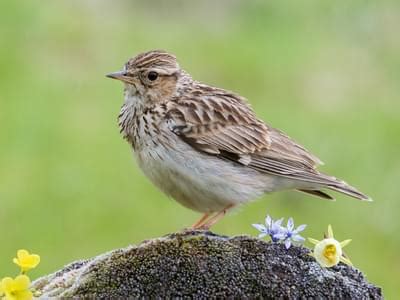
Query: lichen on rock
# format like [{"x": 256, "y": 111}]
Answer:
[{"x": 199, "y": 264}]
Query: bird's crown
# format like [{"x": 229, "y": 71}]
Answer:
[{"x": 158, "y": 60}]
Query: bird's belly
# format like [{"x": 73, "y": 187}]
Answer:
[{"x": 201, "y": 182}]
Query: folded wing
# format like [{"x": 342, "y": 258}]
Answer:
[{"x": 221, "y": 123}]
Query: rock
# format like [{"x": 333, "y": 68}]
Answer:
[{"x": 198, "y": 264}]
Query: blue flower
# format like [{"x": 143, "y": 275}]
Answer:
[
  {"x": 271, "y": 228},
  {"x": 290, "y": 234},
  {"x": 279, "y": 233}
]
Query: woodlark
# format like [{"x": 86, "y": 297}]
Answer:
[{"x": 204, "y": 146}]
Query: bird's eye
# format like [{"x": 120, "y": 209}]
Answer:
[{"x": 152, "y": 75}]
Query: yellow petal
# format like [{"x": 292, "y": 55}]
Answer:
[
  {"x": 6, "y": 284},
  {"x": 345, "y": 260},
  {"x": 25, "y": 295},
  {"x": 22, "y": 282},
  {"x": 22, "y": 253},
  {"x": 35, "y": 260},
  {"x": 313, "y": 241},
  {"x": 330, "y": 232},
  {"x": 345, "y": 243}
]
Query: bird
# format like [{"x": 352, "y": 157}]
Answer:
[{"x": 205, "y": 147}]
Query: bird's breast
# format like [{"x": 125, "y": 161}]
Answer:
[{"x": 140, "y": 125}]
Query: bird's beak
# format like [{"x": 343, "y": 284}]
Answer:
[{"x": 117, "y": 75}]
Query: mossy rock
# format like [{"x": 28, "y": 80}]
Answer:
[{"x": 198, "y": 264}]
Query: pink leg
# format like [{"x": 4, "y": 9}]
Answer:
[
  {"x": 200, "y": 222},
  {"x": 214, "y": 219}
]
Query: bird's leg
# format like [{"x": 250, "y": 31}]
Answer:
[
  {"x": 214, "y": 219},
  {"x": 200, "y": 222}
]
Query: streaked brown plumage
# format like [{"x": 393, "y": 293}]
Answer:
[{"x": 204, "y": 146}]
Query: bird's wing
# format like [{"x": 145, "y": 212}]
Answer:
[
  {"x": 214, "y": 124},
  {"x": 221, "y": 123}
]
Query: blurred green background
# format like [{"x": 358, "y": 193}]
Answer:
[{"x": 327, "y": 73}]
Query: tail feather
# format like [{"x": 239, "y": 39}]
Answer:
[
  {"x": 344, "y": 188},
  {"x": 306, "y": 179},
  {"x": 322, "y": 181},
  {"x": 349, "y": 190},
  {"x": 318, "y": 193}
]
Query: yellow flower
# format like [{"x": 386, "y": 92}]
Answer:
[
  {"x": 16, "y": 289},
  {"x": 26, "y": 261},
  {"x": 328, "y": 252}
]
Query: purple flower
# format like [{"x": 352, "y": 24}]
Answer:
[
  {"x": 271, "y": 228},
  {"x": 279, "y": 233},
  {"x": 290, "y": 234}
]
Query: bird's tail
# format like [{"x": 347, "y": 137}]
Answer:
[
  {"x": 337, "y": 185},
  {"x": 344, "y": 188}
]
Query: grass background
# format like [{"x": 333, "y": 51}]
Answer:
[{"x": 327, "y": 73}]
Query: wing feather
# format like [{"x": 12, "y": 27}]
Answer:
[
  {"x": 221, "y": 123},
  {"x": 219, "y": 119}
]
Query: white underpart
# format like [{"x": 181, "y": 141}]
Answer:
[{"x": 202, "y": 182}]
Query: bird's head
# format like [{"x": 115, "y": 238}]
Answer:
[{"x": 151, "y": 75}]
